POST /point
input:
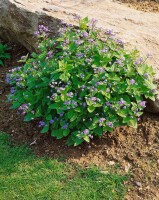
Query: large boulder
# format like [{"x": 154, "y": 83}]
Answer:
[
  {"x": 153, "y": 106},
  {"x": 19, "y": 19}
]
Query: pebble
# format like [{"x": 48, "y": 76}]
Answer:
[
  {"x": 138, "y": 184},
  {"x": 127, "y": 167},
  {"x": 104, "y": 172},
  {"x": 111, "y": 163}
]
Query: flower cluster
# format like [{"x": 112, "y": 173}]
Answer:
[
  {"x": 23, "y": 109},
  {"x": 42, "y": 31},
  {"x": 80, "y": 85}
]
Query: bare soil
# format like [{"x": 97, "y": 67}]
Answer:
[
  {"x": 126, "y": 149},
  {"x": 143, "y": 5}
]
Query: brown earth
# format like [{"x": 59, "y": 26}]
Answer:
[
  {"x": 143, "y": 5},
  {"x": 126, "y": 149}
]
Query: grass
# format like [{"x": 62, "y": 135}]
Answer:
[{"x": 23, "y": 176}]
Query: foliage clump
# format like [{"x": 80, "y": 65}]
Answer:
[
  {"x": 82, "y": 83},
  {"x": 3, "y": 53}
]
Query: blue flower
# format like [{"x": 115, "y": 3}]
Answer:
[
  {"x": 110, "y": 124},
  {"x": 80, "y": 55},
  {"x": 86, "y": 132},
  {"x": 132, "y": 81},
  {"x": 51, "y": 121},
  {"x": 49, "y": 54},
  {"x": 65, "y": 126},
  {"x": 142, "y": 104},
  {"x": 121, "y": 102},
  {"x": 101, "y": 120},
  {"x": 41, "y": 124}
]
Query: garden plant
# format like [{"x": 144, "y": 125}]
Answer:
[
  {"x": 82, "y": 83},
  {"x": 3, "y": 54}
]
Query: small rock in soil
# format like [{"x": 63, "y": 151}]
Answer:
[
  {"x": 111, "y": 163},
  {"x": 138, "y": 184}
]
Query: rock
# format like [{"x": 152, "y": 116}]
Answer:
[
  {"x": 127, "y": 167},
  {"x": 153, "y": 106},
  {"x": 110, "y": 163},
  {"x": 19, "y": 19},
  {"x": 138, "y": 184},
  {"x": 104, "y": 172},
  {"x": 33, "y": 143}
]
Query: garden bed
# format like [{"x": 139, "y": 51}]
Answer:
[
  {"x": 126, "y": 149},
  {"x": 143, "y": 5}
]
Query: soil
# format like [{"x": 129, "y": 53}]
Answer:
[
  {"x": 143, "y": 5},
  {"x": 126, "y": 149}
]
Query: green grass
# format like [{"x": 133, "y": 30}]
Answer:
[{"x": 23, "y": 176}]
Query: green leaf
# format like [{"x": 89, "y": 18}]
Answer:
[
  {"x": 122, "y": 113},
  {"x": 150, "y": 84},
  {"x": 98, "y": 131},
  {"x": 63, "y": 97},
  {"x": 54, "y": 106},
  {"x": 150, "y": 97},
  {"x": 97, "y": 59},
  {"x": 83, "y": 23},
  {"x": 70, "y": 114},
  {"x": 91, "y": 108},
  {"x": 65, "y": 77},
  {"x": 107, "y": 128},
  {"x": 72, "y": 47},
  {"x": 42, "y": 56},
  {"x": 57, "y": 133},
  {"x": 66, "y": 132},
  {"x": 77, "y": 141},
  {"x": 1, "y": 63},
  {"x": 74, "y": 80},
  {"x": 77, "y": 109},
  {"x": 73, "y": 117},
  {"x": 28, "y": 117},
  {"x": 86, "y": 138},
  {"x": 48, "y": 117},
  {"x": 133, "y": 123},
  {"x": 15, "y": 105},
  {"x": 38, "y": 112},
  {"x": 70, "y": 141},
  {"x": 45, "y": 129}
]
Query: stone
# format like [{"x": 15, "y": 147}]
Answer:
[
  {"x": 19, "y": 19},
  {"x": 153, "y": 106},
  {"x": 111, "y": 163},
  {"x": 138, "y": 184}
]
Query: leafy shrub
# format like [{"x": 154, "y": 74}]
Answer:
[
  {"x": 3, "y": 54},
  {"x": 81, "y": 84}
]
